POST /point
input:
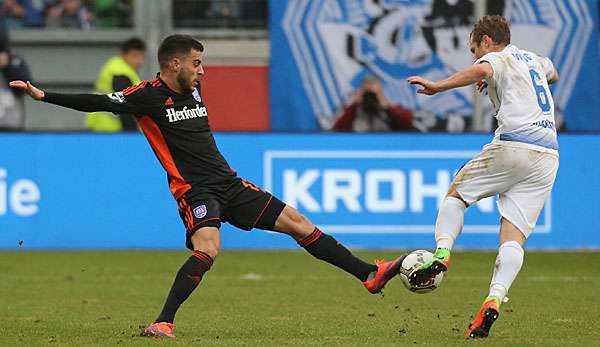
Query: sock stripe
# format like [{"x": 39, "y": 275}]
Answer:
[
  {"x": 314, "y": 236},
  {"x": 203, "y": 257}
]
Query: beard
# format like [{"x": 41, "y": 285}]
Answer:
[{"x": 184, "y": 83}]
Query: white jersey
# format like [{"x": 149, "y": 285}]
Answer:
[{"x": 521, "y": 98}]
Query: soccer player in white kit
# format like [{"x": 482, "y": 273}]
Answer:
[{"x": 519, "y": 165}]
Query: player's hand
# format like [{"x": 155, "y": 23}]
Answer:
[
  {"x": 481, "y": 86},
  {"x": 28, "y": 88},
  {"x": 429, "y": 87}
]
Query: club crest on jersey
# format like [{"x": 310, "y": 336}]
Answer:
[
  {"x": 200, "y": 211},
  {"x": 186, "y": 113},
  {"x": 117, "y": 97},
  {"x": 196, "y": 95}
]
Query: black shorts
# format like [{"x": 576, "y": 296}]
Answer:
[{"x": 243, "y": 205}]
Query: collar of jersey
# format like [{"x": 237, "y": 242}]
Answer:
[{"x": 171, "y": 90}]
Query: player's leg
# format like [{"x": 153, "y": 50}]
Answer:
[
  {"x": 202, "y": 221},
  {"x": 206, "y": 242},
  {"x": 509, "y": 260},
  {"x": 324, "y": 247},
  {"x": 487, "y": 174},
  {"x": 319, "y": 244},
  {"x": 251, "y": 207},
  {"x": 481, "y": 177},
  {"x": 206, "y": 245},
  {"x": 507, "y": 267},
  {"x": 519, "y": 207},
  {"x": 450, "y": 220},
  {"x": 448, "y": 225}
]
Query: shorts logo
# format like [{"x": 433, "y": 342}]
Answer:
[{"x": 200, "y": 211}]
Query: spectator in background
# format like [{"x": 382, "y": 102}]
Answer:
[
  {"x": 69, "y": 14},
  {"x": 24, "y": 13},
  {"x": 208, "y": 13},
  {"x": 370, "y": 111},
  {"x": 186, "y": 14},
  {"x": 220, "y": 13},
  {"x": 112, "y": 13},
  {"x": 12, "y": 105},
  {"x": 118, "y": 73},
  {"x": 3, "y": 27},
  {"x": 254, "y": 14},
  {"x": 226, "y": 8}
]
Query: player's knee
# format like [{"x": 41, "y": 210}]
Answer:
[
  {"x": 211, "y": 250},
  {"x": 205, "y": 244},
  {"x": 452, "y": 193},
  {"x": 299, "y": 225},
  {"x": 301, "y": 221}
]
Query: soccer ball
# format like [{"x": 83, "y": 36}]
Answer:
[{"x": 413, "y": 261}]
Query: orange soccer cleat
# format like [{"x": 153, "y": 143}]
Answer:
[
  {"x": 487, "y": 315},
  {"x": 159, "y": 330},
  {"x": 385, "y": 272}
]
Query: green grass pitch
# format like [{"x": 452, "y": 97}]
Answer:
[{"x": 288, "y": 298}]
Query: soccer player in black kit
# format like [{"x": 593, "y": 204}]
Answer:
[{"x": 172, "y": 116}]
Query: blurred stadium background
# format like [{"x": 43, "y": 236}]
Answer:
[{"x": 278, "y": 74}]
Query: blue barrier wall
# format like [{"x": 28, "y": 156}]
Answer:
[{"x": 372, "y": 191}]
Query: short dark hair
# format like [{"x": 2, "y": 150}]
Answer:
[
  {"x": 177, "y": 46},
  {"x": 133, "y": 44},
  {"x": 496, "y": 27}
]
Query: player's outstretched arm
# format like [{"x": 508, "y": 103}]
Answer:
[
  {"x": 79, "y": 102},
  {"x": 429, "y": 87},
  {"x": 472, "y": 74},
  {"x": 28, "y": 89}
]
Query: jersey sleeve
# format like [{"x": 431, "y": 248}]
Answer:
[
  {"x": 547, "y": 67},
  {"x": 495, "y": 61},
  {"x": 133, "y": 100}
]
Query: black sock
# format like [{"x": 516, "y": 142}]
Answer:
[
  {"x": 187, "y": 279},
  {"x": 325, "y": 247}
]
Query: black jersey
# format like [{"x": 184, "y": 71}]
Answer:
[{"x": 177, "y": 129}]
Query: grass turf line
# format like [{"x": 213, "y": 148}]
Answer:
[{"x": 270, "y": 298}]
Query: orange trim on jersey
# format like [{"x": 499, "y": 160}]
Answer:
[
  {"x": 251, "y": 185},
  {"x": 185, "y": 209},
  {"x": 177, "y": 184},
  {"x": 132, "y": 89},
  {"x": 190, "y": 217}
]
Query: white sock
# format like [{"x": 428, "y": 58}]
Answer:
[
  {"x": 449, "y": 222},
  {"x": 508, "y": 264}
]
